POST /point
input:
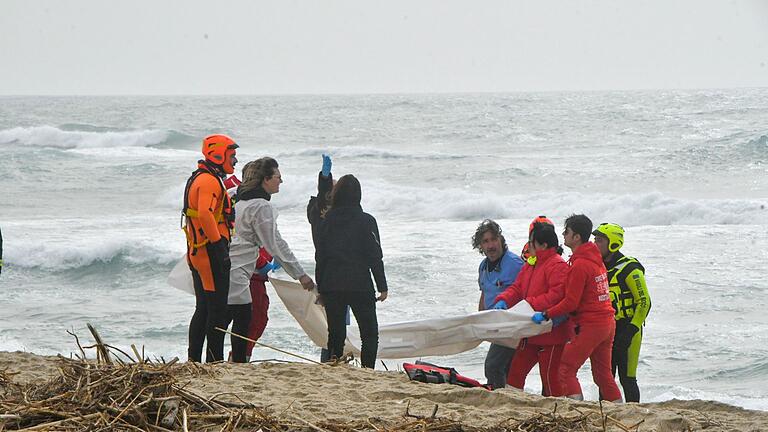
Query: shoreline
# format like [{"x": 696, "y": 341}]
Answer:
[{"x": 345, "y": 394}]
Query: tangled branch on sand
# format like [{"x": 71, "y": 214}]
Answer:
[
  {"x": 142, "y": 395},
  {"x": 147, "y": 396}
]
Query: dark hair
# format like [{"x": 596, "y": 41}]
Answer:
[
  {"x": 544, "y": 233},
  {"x": 254, "y": 172},
  {"x": 346, "y": 192},
  {"x": 581, "y": 225},
  {"x": 485, "y": 226}
]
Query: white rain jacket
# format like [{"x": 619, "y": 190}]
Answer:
[{"x": 256, "y": 226}]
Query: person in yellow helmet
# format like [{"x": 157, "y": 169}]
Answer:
[
  {"x": 208, "y": 218},
  {"x": 631, "y": 304}
]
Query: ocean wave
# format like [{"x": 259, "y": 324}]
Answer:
[
  {"x": 87, "y": 136},
  {"x": 93, "y": 251},
  {"x": 700, "y": 400},
  {"x": 759, "y": 144},
  {"x": 740, "y": 372},
  {"x": 430, "y": 203},
  {"x": 368, "y": 152},
  {"x": 631, "y": 210},
  {"x": 728, "y": 150}
]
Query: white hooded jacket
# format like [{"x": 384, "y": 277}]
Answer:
[{"x": 255, "y": 227}]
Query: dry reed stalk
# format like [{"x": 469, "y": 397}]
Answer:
[{"x": 267, "y": 346}]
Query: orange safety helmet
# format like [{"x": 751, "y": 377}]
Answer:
[
  {"x": 538, "y": 219},
  {"x": 219, "y": 149}
]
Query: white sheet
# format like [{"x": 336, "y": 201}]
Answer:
[{"x": 428, "y": 337}]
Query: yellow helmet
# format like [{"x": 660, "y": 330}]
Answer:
[{"x": 613, "y": 232}]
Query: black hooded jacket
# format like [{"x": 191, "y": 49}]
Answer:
[
  {"x": 348, "y": 250},
  {"x": 318, "y": 205}
]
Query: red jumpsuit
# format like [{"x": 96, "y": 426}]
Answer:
[
  {"x": 541, "y": 285},
  {"x": 588, "y": 300},
  {"x": 259, "y": 301}
]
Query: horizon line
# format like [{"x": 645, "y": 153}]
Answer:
[{"x": 425, "y": 93}]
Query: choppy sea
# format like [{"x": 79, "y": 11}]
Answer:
[{"x": 91, "y": 191}]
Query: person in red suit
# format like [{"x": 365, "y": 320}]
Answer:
[
  {"x": 588, "y": 302},
  {"x": 541, "y": 283}
]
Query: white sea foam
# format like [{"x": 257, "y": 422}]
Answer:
[
  {"x": 436, "y": 203},
  {"x": 100, "y": 246},
  {"x": 652, "y": 208},
  {"x": 49, "y": 136},
  {"x": 661, "y": 393}
]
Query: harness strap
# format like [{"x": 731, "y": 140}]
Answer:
[{"x": 190, "y": 212}]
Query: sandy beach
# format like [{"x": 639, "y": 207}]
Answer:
[{"x": 320, "y": 394}]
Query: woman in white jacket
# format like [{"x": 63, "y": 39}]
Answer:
[{"x": 255, "y": 227}]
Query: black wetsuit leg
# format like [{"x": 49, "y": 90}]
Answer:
[
  {"x": 240, "y": 316},
  {"x": 216, "y": 303},
  {"x": 210, "y": 312},
  {"x": 197, "y": 323}
]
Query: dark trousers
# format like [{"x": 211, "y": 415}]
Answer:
[
  {"x": 363, "y": 304},
  {"x": 497, "y": 365},
  {"x": 210, "y": 312},
  {"x": 325, "y": 355},
  {"x": 240, "y": 317}
]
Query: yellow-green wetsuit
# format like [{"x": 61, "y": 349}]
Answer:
[{"x": 631, "y": 303}]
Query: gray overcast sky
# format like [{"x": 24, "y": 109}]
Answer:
[{"x": 283, "y": 46}]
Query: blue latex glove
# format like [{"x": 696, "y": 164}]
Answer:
[
  {"x": 538, "y": 317},
  {"x": 268, "y": 267},
  {"x": 326, "y": 165},
  {"x": 501, "y": 304},
  {"x": 556, "y": 321}
]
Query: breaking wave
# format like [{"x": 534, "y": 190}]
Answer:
[{"x": 86, "y": 137}]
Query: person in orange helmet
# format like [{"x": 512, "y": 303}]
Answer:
[
  {"x": 526, "y": 252},
  {"x": 209, "y": 218}
]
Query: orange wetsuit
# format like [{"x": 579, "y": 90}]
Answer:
[
  {"x": 208, "y": 212},
  {"x": 208, "y": 207}
]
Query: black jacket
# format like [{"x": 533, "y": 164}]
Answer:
[
  {"x": 318, "y": 205},
  {"x": 348, "y": 250}
]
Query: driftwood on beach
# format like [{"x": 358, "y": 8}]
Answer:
[
  {"x": 124, "y": 392},
  {"x": 148, "y": 396}
]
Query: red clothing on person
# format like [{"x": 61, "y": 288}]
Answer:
[
  {"x": 594, "y": 342},
  {"x": 542, "y": 285},
  {"x": 547, "y": 356},
  {"x": 259, "y": 301},
  {"x": 231, "y": 181},
  {"x": 586, "y": 290},
  {"x": 588, "y": 301}
]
